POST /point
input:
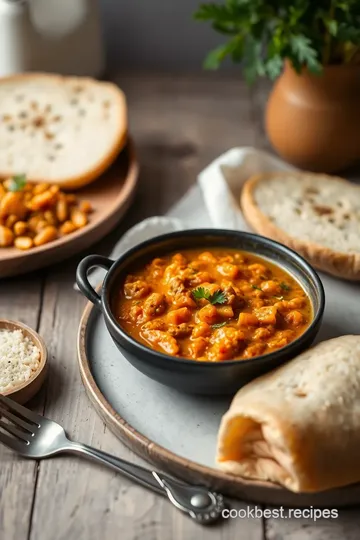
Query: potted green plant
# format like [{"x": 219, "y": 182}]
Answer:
[{"x": 312, "y": 48}]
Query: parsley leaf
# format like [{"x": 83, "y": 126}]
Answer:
[
  {"x": 218, "y": 297},
  {"x": 18, "y": 182},
  {"x": 218, "y": 325},
  {"x": 200, "y": 292},
  {"x": 285, "y": 287},
  {"x": 256, "y": 287}
]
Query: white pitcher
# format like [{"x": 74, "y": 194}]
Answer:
[{"x": 59, "y": 36}]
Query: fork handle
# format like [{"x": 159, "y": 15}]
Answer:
[{"x": 201, "y": 504}]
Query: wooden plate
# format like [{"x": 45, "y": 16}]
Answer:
[
  {"x": 174, "y": 431},
  {"x": 24, "y": 392},
  {"x": 110, "y": 197}
]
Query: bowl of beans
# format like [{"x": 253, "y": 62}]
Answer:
[{"x": 205, "y": 311}]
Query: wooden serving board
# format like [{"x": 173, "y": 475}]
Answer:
[
  {"x": 110, "y": 196},
  {"x": 174, "y": 431}
]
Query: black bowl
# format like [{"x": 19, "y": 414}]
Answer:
[{"x": 189, "y": 375}]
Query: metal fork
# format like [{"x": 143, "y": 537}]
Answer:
[{"x": 36, "y": 437}]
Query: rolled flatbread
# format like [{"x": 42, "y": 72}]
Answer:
[{"x": 299, "y": 425}]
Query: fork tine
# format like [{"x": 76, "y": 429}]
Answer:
[
  {"x": 16, "y": 432},
  {"x": 19, "y": 409},
  {"x": 14, "y": 444},
  {"x": 16, "y": 419}
]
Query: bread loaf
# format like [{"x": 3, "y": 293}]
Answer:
[
  {"x": 62, "y": 130},
  {"x": 316, "y": 215}
]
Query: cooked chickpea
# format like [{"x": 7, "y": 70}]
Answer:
[
  {"x": 207, "y": 257},
  {"x": 258, "y": 269},
  {"x": 67, "y": 228},
  {"x": 42, "y": 201},
  {"x": 41, "y": 224},
  {"x": 50, "y": 217},
  {"x": 6, "y": 236},
  {"x": 11, "y": 220},
  {"x": 36, "y": 214},
  {"x": 263, "y": 333},
  {"x": 228, "y": 270},
  {"x": 32, "y": 223},
  {"x": 40, "y": 188},
  {"x": 85, "y": 206},
  {"x": 62, "y": 210},
  {"x": 297, "y": 303},
  {"x": 23, "y": 242},
  {"x": 12, "y": 203},
  {"x": 20, "y": 228},
  {"x": 46, "y": 235},
  {"x": 295, "y": 318},
  {"x": 78, "y": 218}
]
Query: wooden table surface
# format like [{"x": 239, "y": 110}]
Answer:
[{"x": 179, "y": 124}]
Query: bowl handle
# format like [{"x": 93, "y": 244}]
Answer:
[{"x": 82, "y": 276}]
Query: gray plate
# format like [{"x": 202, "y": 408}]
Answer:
[{"x": 186, "y": 426}]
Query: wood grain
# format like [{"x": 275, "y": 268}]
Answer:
[
  {"x": 19, "y": 300},
  {"x": 179, "y": 124}
]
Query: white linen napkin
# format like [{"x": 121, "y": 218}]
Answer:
[
  {"x": 221, "y": 183},
  {"x": 212, "y": 202}
]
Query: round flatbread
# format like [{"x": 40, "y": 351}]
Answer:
[
  {"x": 315, "y": 214},
  {"x": 62, "y": 130}
]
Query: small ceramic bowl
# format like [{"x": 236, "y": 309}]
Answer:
[
  {"x": 188, "y": 375},
  {"x": 25, "y": 391}
]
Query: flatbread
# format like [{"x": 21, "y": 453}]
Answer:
[
  {"x": 299, "y": 425},
  {"x": 315, "y": 214},
  {"x": 62, "y": 130}
]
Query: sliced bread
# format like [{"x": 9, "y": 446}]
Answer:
[
  {"x": 63, "y": 130},
  {"x": 316, "y": 215}
]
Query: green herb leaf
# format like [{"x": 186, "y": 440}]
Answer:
[
  {"x": 332, "y": 27},
  {"x": 218, "y": 297},
  {"x": 304, "y": 52},
  {"x": 256, "y": 287},
  {"x": 215, "y": 57},
  {"x": 285, "y": 287},
  {"x": 200, "y": 292},
  {"x": 18, "y": 182},
  {"x": 218, "y": 325},
  {"x": 274, "y": 66},
  {"x": 263, "y": 34}
]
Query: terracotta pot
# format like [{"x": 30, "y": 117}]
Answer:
[{"x": 314, "y": 121}]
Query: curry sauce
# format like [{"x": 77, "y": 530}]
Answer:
[{"x": 212, "y": 305}]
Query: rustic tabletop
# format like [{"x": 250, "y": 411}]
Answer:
[{"x": 179, "y": 125}]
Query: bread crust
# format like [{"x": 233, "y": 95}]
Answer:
[
  {"x": 336, "y": 263},
  {"x": 76, "y": 182}
]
